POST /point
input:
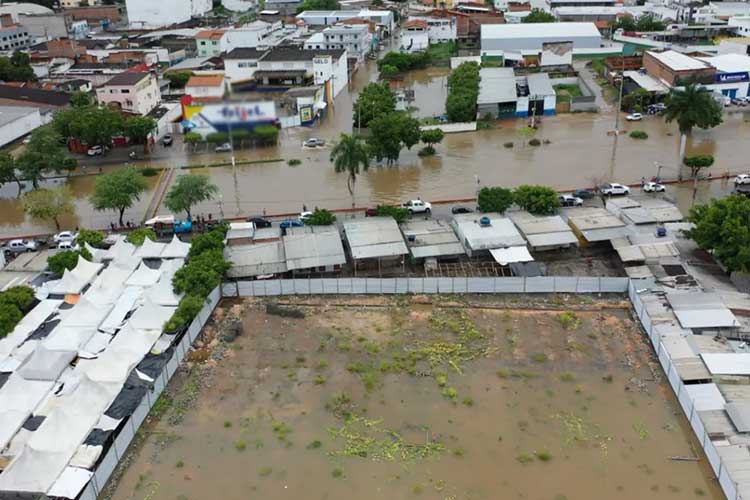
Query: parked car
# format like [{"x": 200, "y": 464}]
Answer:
[
  {"x": 64, "y": 236},
  {"x": 95, "y": 151},
  {"x": 314, "y": 143},
  {"x": 654, "y": 187},
  {"x": 567, "y": 200},
  {"x": 742, "y": 189},
  {"x": 259, "y": 222},
  {"x": 303, "y": 216},
  {"x": 634, "y": 117},
  {"x": 417, "y": 206},
  {"x": 18, "y": 246},
  {"x": 68, "y": 245},
  {"x": 371, "y": 212},
  {"x": 223, "y": 148},
  {"x": 584, "y": 194},
  {"x": 742, "y": 179},
  {"x": 461, "y": 210},
  {"x": 159, "y": 219},
  {"x": 167, "y": 140},
  {"x": 287, "y": 223},
  {"x": 614, "y": 188}
]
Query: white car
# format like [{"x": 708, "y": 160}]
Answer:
[
  {"x": 614, "y": 188},
  {"x": 742, "y": 179},
  {"x": 68, "y": 245},
  {"x": 223, "y": 148},
  {"x": 314, "y": 142},
  {"x": 95, "y": 151},
  {"x": 303, "y": 216},
  {"x": 65, "y": 236},
  {"x": 634, "y": 117},
  {"x": 568, "y": 200},
  {"x": 417, "y": 206},
  {"x": 654, "y": 187},
  {"x": 18, "y": 246}
]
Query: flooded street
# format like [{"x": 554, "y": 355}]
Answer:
[
  {"x": 579, "y": 153},
  {"x": 390, "y": 398}
]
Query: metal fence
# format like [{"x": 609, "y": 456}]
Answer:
[
  {"x": 725, "y": 481},
  {"x": 340, "y": 286},
  {"x": 128, "y": 430}
]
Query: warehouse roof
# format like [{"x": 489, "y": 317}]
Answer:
[
  {"x": 497, "y": 85},
  {"x": 374, "y": 237},
  {"x": 543, "y": 231},
  {"x": 701, "y": 310},
  {"x": 9, "y": 114},
  {"x": 539, "y": 85},
  {"x": 596, "y": 224},
  {"x": 539, "y": 30},
  {"x": 678, "y": 61},
  {"x": 499, "y": 233},
  {"x": 256, "y": 259},
  {"x": 729, "y": 63},
  {"x": 320, "y": 247},
  {"x": 431, "y": 238}
]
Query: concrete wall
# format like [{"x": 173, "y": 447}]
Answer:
[
  {"x": 450, "y": 128},
  {"x": 240, "y": 70},
  {"x": 517, "y": 44}
]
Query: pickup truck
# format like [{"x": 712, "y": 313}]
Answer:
[{"x": 417, "y": 206}]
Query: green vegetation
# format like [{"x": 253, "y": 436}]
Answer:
[
  {"x": 376, "y": 99},
  {"x": 49, "y": 203},
  {"x": 67, "y": 259},
  {"x": 544, "y": 456},
  {"x": 217, "y": 137},
  {"x": 265, "y": 134},
  {"x": 525, "y": 458},
  {"x": 494, "y": 199},
  {"x": 91, "y": 124},
  {"x": 569, "y": 320},
  {"x": 118, "y": 190},
  {"x": 638, "y": 134},
  {"x": 318, "y": 5},
  {"x": 398, "y": 62},
  {"x": 539, "y": 200},
  {"x": 722, "y": 227},
  {"x": 441, "y": 53},
  {"x": 463, "y": 91},
  {"x": 44, "y": 154},
  {"x": 149, "y": 172},
  {"x": 321, "y": 217},
  {"x": 139, "y": 128},
  {"x": 646, "y": 22},
  {"x": 265, "y": 471},
  {"x": 400, "y": 214},
  {"x": 694, "y": 106},
  {"x": 337, "y": 472},
  {"x": 178, "y": 79},
  {"x": 240, "y": 445},
  {"x": 431, "y": 137},
  {"x": 16, "y": 68},
  {"x": 389, "y": 133},
  {"x": 698, "y": 162},
  {"x": 314, "y": 445},
  {"x": 294, "y": 162},
  {"x": 138, "y": 236},
  {"x": 539, "y": 357},
  {"x": 319, "y": 380},
  {"x": 539, "y": 16},
  {"x": 14, "y": 303},
  {"x": 189, "y": 190},
  {"x": 565, "y": 92},
  {"x": 347, "y": 155}
]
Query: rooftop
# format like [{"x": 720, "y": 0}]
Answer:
[
  {"x": 415, "y": 23},
  {"x": 206, "y": 81},
  {"x": 431, "y": 238},
  {"x": 543, "y": 230},
  {"x": 9, "y": 114},
  {"x": 256, "y": 259},
  {"x": 281, "y": 54},
  {"x": 539, "y": 84},
  {"x": 320, "y": 247},
  {"x": 210, "y": 34},
  {"x": 39, "y": 96},
  {"x": 127, "y": 78},
  {"x": 499, "y": 233},
  {"x": 497, "y": 85},
  {"x": 374, "y": 237},
  {"x": 729, "y": 63},
  {"x": 677, "y": 61},
  {"x": 244, "y": 53},
  {"x": 535, "y": 30}
]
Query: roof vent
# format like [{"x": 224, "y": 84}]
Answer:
[{"x": 485, "y": 222}]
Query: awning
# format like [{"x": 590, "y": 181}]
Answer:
[{"x": 505, "y": 256}]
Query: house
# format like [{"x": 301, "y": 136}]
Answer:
[
  {"x": 48, "y": 101},
  {"x": 12, "y": 36},
  {"x": 283, "y": 7},
  {"x": 314, "y": 249},
  {"x": 240, "y": 64},
  {"x": 132, "y": 92},
  {"x": 414, "y": 36},
  {"x": 531, "y": 36},
  {"x": 97, "y": 73},
  {"x": 384, "y": 19},
  {"x": 431, "y": 238},
  {"x": 254, "y": 34},
  {"x": 211, "y": 43},
  {"x": 356, "y": 39},
  {"x": 439, "y": 29},
  {"x": 290, "y": 66},
  {"x": 151, "y": 14},
  {"x": 206, "y": 88},
  {"x": 374, "y": 240},
  {"x": 543, "y": 232},
  {"x": 17, "y": 121}
]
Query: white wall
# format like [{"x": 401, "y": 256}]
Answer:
[
  {"x": 155, "y": 13},
  {"x": 140, "y": 99},
  {"x": 414, "y": 41},
  {"x": 325, "y": 69},
  {"x": 442, "y": 32},
  {"x": 239, "y": 70},
  {"x": 18, "y": 128},
  {"x": 241, "y": 38},
  {"x": 211, "y": 91}
]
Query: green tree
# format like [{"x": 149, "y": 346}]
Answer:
[
  {"x": 212, "y": 240},
  {"x": 118, "y": 190},
  {"x": 723, "y": 228},
  {"x": 188, "y": 308},
  {"x": 399, "y": 214},
  {"x": 81, "y": 99},
  {"x": 376, "y": 99},
  {"x": 193, "y": 137},
  {"x": 67, "y": 259},
  {"x": 646, "y": 22},
  {"x": 44, "y": 154},
  {"x": 49, "y": 204},
  {"x": 91, "y": 236},
  {"x": 321, "y": 217},
  {"x": 389, "y": 133},
  {"x": 539, "y": 16},
  {"x": 8, "y": 171},
  {"x": 349, "y": 153},
  {"x": 17, "y": 68},
  {"x": 189, "y": 190},
  {"x": 539, "y": 200},
  {"x": 20, "y": 296},
  {"x": 494, "y": 199},
  {"x": 633, "y": 101},
  {"x": 178, "y": 79},
  {"x": 201, "y": 274},
  {"x": 265, "y": 134},
  {"x": 138, "y": 128},
  {"x": 463, "y": 91},
  {"x": 318, "y": 5},
  {"x": 138, "y": 236},
  {"x": 431, "y": 137},
  {"x": 692, "y": 107},
  {"x": 10, "y": 315},
  {"x": 698, "y": 162},
  {"x": 94, "y": 125}
]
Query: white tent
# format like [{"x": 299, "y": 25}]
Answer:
[
  {"x": 163, "y": 293},
  {"x": 150, "y": 249},
  {"x": 27, "y": 325},
  {"x": 75, "y": 280},
  {"x": 151, "y": 316},
  {"x": 96, "y": 344},
  {"x": 176, "y": 249},
  {"x": 143, "y": 276},
  {"x": 83, "y": 396},
  {"x": 66, "y": 338},
  {"x": 96, "y": 253},
  {"x": 170, "y": 267},
  {"x": 125, "y": 304},
  {"x": 18, "y": 399},
  {"x": 70, "y": 483},
  {"x": 45, "y": 364},
  {"x": 125, "y": 351},
  {"x": 61, "y": 432},
  {"x": 33, "y": 471},
  {"x": 120, "y": 249},
  {"x": 86, "y": 312}
]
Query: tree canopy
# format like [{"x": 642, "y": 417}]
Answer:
[
  {"x": 321, "y": 217},
  {"x": 178, "y": 79},
  {"x": 348, "y": 155},
  {"x": 463, "y": 91},
  {"x": 14, "y": 302},
  {"x": 44, "y": 154},
  {"x": 67, "y": 259},
  {"x": 375, "y": 99},
  {"x": 94, "y": 125},
  {"x": 138, "y": 236},
  {"x": 494, "y": 199},
  {"x": 646, "y": 22},
  {"x": 723, "y": 227},
  {"x": 693, "y": 107},
  {"x": 91, "y": 236},
  {"x": 8, "y": 170},
  {"x": 138, "y": 128},
  {"x": 698, "y": 162},
  {"x": 118, "y": 190},
  {"x": 318, "y": 5},
  {"x": 49, "y": 204},
  {"x": 539, "y": 200},
  {"x": 404, "y": 61},
  {"x": 539, "y": 16},
  {"x": 399, "y": 214},
  {"x": 81, "y": 99},
  {"x": 389, "y": 133},
  {"x": 189, "y": 190},
  {"x": 16, "y": 68}
]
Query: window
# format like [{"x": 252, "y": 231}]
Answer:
[
  {"x": 125, "y": 91},
  {"x": 112, "y": 91},
  {"x": 214, "y": 42},
  {"x": 129, "y": 103}
]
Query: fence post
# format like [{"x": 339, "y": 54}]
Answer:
[
  {"x": 237, "y": 288},
  {"x": 524, "y": 284},
  {"x": 600, "y": 284}
]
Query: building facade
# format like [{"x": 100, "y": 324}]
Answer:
[
  {"x": 132, "y": 92},
  {"x": 206, "y": 88},
  {"x": 151, "y": 14},
  {"x": 414, "y": 36},
  {"x": 210, "y": 43},
  {"x": 13, "y": 36},
  {"x": 288, "y": 66},
  {"x": 240, "y": 64},
  {"x": 531, "y": 36},
  {"x": 356, "y": 39}
]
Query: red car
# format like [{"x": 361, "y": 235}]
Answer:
[{"x": 371, "y": 212}]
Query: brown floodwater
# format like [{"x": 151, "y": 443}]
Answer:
[
  {"x": 533, "y": 410},
  {"x": 578, "y": 153}
]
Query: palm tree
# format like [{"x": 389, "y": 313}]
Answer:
[
  {"x": 347, "y": 156},
  {"x": 694, "y": 106}
]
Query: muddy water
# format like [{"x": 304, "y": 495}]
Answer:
[
  {"x": 579, "y": 153},
  {"x": 590, "y": 407}
]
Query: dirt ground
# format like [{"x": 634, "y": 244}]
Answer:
[{"x": 463, "y": 397}]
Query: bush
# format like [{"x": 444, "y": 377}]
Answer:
[
  {"x": 294, "y": 162},
  {"x": 193, "y": 137},
  {"x": 426, "y": 151},
  {"x": 20, "y": 296},
  {"x": 148, "y": 172},
  {"x": 266, "y": 134},
  {"x": 540, "y": 200},
  {"x": 638, "y": 134},
  {"x": 508, "y": 144},
  {"x": 138, "y": 236},
  {"x": 463, "y": 91},
  {"x": 321, "y": 217},
  {"x": 535, "y": 142},
  {"x": 240, "y": 134},
  {"x": 201, "y": 274},
  {"x": 91, "y": 236},
  {"x": 206, "y": 242},
  {"x": 402, "y": 61},
  {"x": 67, "y": 259},
  {"x": 10, "y": 315},
  {"x": 400, "y": 214},
  {"x": 494, "y": 199},
  {"x": 188, "y": 308},
  {"x": 698, "y": 161},
  {"x": 218, "y": 137}
]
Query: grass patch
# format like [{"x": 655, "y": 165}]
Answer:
[
  {"x": 566, "y": 92},
  {"x": 544, "y": 456},
  {"x": 569, "y": 320},
  {"x": 180, "y": 464},
  {"x": 322, "y": 365},
  {"x": 337, "y": 473},
  {"x": 638, "y": 134},
  {"x": 319, "y": 380},
  {"x": 240, "y": 445},
  {"x": 281, "y": 430},
  {"x": 314, "y": 445},
  {"x": 525, "y": 458},
  {"x": 468, "y": 401},
  {"x": 265, "y": 471},
  {"x": 567, "y": 377},
  {"x": 227, "y": 424},
  {"x": 441, "y": 52},
  {"x": 539, "y": 357},
  {"x": 449, "y": 393}
]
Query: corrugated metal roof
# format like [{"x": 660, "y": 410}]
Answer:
[
  {"x": 433, "y": 238},
  {"x": 552, "y": 239},
  {"x": 631, "y": 253},
  {"x": 497, "y": 85},
  {"x": 593, "y": 218},
  {"x": 537, "y": 30},
  {"x": 707, "y": 318},
  {"x": 499, "y": 234},
  {"x": 256, "y": 259},
  {"x": 727, "y": 363},
  {"x": 504, "y": 256},
  {"x": 605, "y": 234},
  {"x": 539, "y": 85},
  {"x": 305, "y": 251},
  {"x": 739, "y": 414},
  {"x": 240, "y": 230},
  {"x": 706, "y": 397},
  {"x": 374, "y": 237},
  {"x": 637, "y": 215}
]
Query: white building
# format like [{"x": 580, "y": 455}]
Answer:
[
  {"x": 732, "y": 74},
  {"x": 17, "y": 121},
  {"x": 414, "y": 36},
  {"x": 740, "y": 25},
  {"x": 285, "y": 64},
  {"x": 716, "y": 12},
  {"x": 132, "y": 92},
  {"x": 254, "y": 34},
  {"x": 151, "y": 14},
  {"x": 439, "y": 29},
  {"x": 240, "y": 64},
  {"x": 531, "y": 36},
  {"x": 383, "y": 18},
  {"x": 206, "y": 88},
  {"x": 356, "y": 39}
]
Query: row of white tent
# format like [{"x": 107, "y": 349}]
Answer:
[{"x": 111, "y": 327}]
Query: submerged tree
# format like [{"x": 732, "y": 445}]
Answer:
[
  {"x": 348, "y": 155},
  {"x": 692, "y": 107}
]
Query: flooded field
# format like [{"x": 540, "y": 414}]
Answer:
[{"x": 371, "y": 397}]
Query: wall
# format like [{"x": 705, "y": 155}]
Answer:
[
  {"x": 325, "y": 69},
  {"x": 152, "y": 14},
  {"x": 516, "y": 44},
  {"x": 240, "y": 70},
  {"x": 102, "y": 12},
  {"x": 20, "y": 127},
  {"x": 450, "y": 128},
  {"x": 414, "y": 40}
]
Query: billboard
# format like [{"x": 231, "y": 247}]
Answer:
[
  {"x": 740, "y": 76},
  {"x": 227, "y": 116}
]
